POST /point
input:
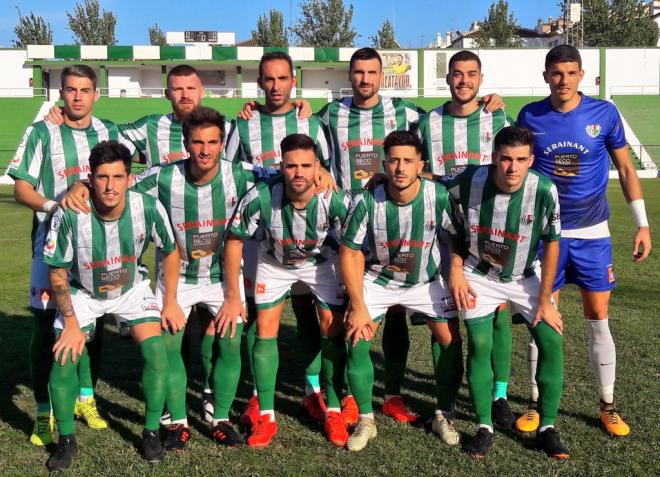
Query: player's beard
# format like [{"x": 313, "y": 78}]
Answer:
[
  {"x": 300, "y": 188},
  {"x": 460, "y": 100},
  {"x": 364, "y": 97}
]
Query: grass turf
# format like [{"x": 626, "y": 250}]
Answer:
[
  {"x": 17, "y": 114},
  {"x": 643, "y": 115},
  {"x": 300, "y": 447}
]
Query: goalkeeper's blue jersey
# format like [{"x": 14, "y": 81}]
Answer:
[{"x": 572, "y": 149}]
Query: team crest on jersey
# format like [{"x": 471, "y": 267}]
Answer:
[
  {"x": 323, "y": 227},
  {"x": 392, "y": 123},
  {"x": 527, "y": 219},
  {"x": 593, "y": 130},
  {"x": 487, "y": 136},
  {"x": 430, "y": 225}
]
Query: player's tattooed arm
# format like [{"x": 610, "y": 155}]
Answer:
[
  {"x": 71, "y": 339},
  {"x": 547, "y": 311}
]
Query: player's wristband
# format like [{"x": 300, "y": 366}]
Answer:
[
  {"x": 638, "y": 210},
  {"x": 49, "y": 206}
]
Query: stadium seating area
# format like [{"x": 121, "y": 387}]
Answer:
[{"x": 641, "y": 112}]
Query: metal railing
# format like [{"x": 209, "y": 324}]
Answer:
[
  {"x": 160, "y": 92},
  {"x": 23, "y": 92},
  {"x": 643, "y": 90}
]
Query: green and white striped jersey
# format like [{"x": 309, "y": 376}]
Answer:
[
  {"x": 52, "y": 158},
  {"x": 257, "y": 141},
  {"x": 159, "y": 138},
  {"x": 402, "y": 240},
  {"x": 198, "y": 214},
  {"x": 452, "y": 142},
  {"x": 103, "y": 257},
  {"x": 294, "y": 237},
  {"x": 502, "y": 231},
  {"x": 357, "y": 136}
]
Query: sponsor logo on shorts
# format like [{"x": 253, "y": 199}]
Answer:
[
  {"x": 593, "y": 130},
  {"x": 150, "y": 305},
  {"x": 261, "y": 288},
  {"x": 447, "y": 304},
  {"x": 45, "y": 294},
  {"x": 610, "y": 274}
]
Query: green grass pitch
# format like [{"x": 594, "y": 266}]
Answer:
[{"x": 300, "y": 447}]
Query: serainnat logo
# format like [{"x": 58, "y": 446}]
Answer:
[{"x": 593, "y": 130}]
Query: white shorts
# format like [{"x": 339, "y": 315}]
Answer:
[
  {"x": 211, "y": 295},
  {"x": 522, "y": 295},
  {"x": 432, "y": 299},
  {"x": 41, "y": 294},
  {"x": 274, "y": 283},
  {"x": 138, "y": 305}
]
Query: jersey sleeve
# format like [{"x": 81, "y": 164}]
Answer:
[
  {"x": 616, "y": 137},
  {"x": 29, "y": 158},
  {"x": 423, "y": 134},
  {"x": 321, "y": 140},
  {"x": 339, "y": 205},
  {"x": 161, "y": 231},
  {"x": 58, "y": 251},
  {"x": 136, "y": 133},
  {"x": 147, "y": 182},
  {"x": 248, "y": 215},
  {"x": 445, "y": 216},
  {"x": 234, "y": 151},
  {"x": 551, "y": 227},
  {"x": 355, "y": 227}
]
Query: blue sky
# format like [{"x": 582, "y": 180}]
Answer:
[{"x": 416, "y": 21}]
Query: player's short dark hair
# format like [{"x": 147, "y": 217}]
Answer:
[
  {"x": 563, "y": 54},
  {"x": 107, "y": 152},
  {"x": 464, "y": 56},
  {"x": 295, "y": 142},
  {"x": 514, "y": 136},
  {"x": 365, "y": 54},
  {"x": 203, "y": 117},
  {"x": 181, "y": 70},
  {"x": 81, "y": 71},
  {"x": 275, "y": 55},
  {"x": 402, "y": 138}
]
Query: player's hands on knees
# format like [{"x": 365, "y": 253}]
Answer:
[
  {"x": 493, "y": 102},
  {"x": 228, "y": 315},
  {"x": 303, "y": 107},
  {"x": 641, "y": 244},
  {"x": 325, "y": 183},
  {"x": 550, "y": 314},
  {"x": 71, "y": 340},
  {"x": 246, "y": 112},
  {"x": 461, "y": 290},
  {"x": 358, "y": 324},
  {"x": 76, "y": 198},
  {"x": 55, "y": 115},
  {"x": 172, "y": 318}
]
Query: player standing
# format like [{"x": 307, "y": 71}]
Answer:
[
  {"x": 49, "y": 160},
  {"x": 455, "y": 135},
  {"x": 298, "y": 248},
  {"x": 257, "y": 140},
  {"x": 575, "y": 137},
  {"x": 505, "y": 210},
  {"x": 401, "y": 221},
  {"x": 94, "y": 269}
]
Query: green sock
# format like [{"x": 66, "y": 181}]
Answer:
[
  {"x": 395, "y": 350},
  {"x": 448, "y": 367},
  {"x": 154, "y": 380},
  {"x": 41, "y": 354},
  {"x": 309, "y": 338},
  {"x": 549, "y": 371},
  {"x": 501, "y": 353},
  {"x": 64, "y": 390},
  {"x": 333, "y": 351},
  {"x": 266, "y": 360},
  {"x": 251, "y": 336},
  {"x": 361, "y": 375},
  {"x": 479, "y": 367},
  {"x": 88, "y": 365},
  {"x": 226, "y": 372},
  {"x": 206, "y": 350},
  {"x": 177, "y": 380}
]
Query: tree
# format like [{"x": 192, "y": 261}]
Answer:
[
  {"x": 385, "y": 38},
  {"x": 32, "y": 30},
  {"x": 270, "y": 30},
  {"x": 499, "y": 28},
  {"x": 325, "y": 23},
  {"x": 91, "y": 25},
  {"x": 617, "y": 23},
  {"x": 156, "y": 36}
]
